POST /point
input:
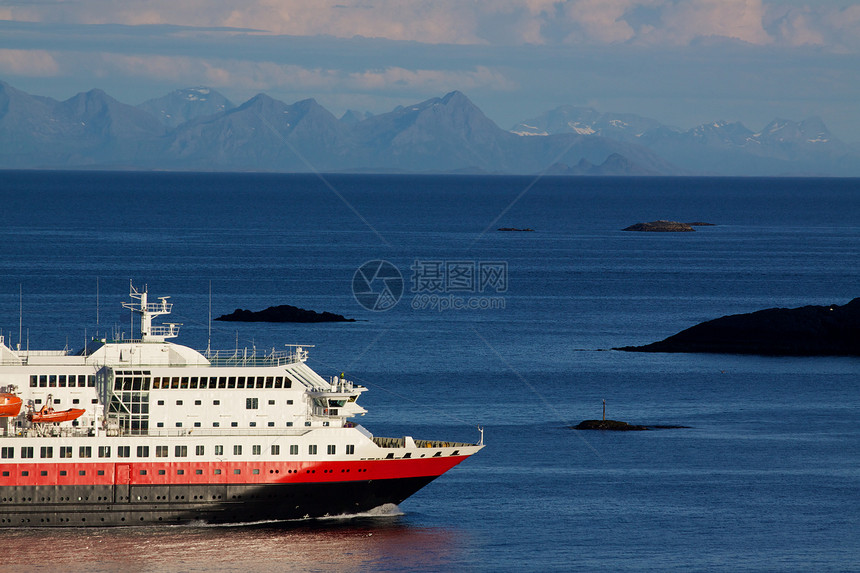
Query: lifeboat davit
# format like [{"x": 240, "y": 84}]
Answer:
[
  {"x": 10, "y": 405},
  {"x": 48, "y": 415}
]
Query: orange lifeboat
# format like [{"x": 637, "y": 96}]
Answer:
[
  {"x": 10, "y": 405},
  {"x": 48, "y": 415}
]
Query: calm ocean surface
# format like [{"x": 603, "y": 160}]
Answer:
[{"x": 766, "y": 478}]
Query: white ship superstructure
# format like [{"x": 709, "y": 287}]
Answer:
[{"x": 149, "y": 431}]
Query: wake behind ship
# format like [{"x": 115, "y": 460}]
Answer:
[{"x": 134, "y": 432}]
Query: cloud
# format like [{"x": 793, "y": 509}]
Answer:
[
  {"x": 486, "y": 22},
  {"x": 263, "y": 76},
  {"x": 32, "y": 63}
]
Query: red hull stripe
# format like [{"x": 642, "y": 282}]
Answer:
[{"x": 227, "y": 472}]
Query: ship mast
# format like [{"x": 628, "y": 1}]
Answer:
[{"x": 148, "y": 311}]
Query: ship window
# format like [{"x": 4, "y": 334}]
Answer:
[
  {"x": 271, "y": 424},
  {"x": 350, "y": 449},
  {"x": 200, "y": 450},
  {"x": 43, "y": 380},
  {"x": 294, "y": 450},
  {"x": 85, "y": 452},
  {"x": 179, "y": 402},
  {"x": 184, "y": 382},
  {"x": 100, "y": 472},
  {"x": 75, "y": 401},
  {"x": 25, "y": 473},
  {"x": 62, "y": 380},
  {"x": 237, "y": 450},
  {"x": 288, "y": 383},
  {"x": 231, "y": 382},
  {"x": 64, "y": 473},
  {"x": 193, "y": 382},
  {"x": 156, "y": 383},
  {"x": 159, "y": 424},
  {"x": 52, "y": 381},
  {"x": 27, "y": 452},
  {"x": 253, "y": 424},
  {"x": 219, "y": 450},
  {"x": 198, "y": 402},
  {"x": 196, "y": 424},
  {"x": 137, "y": 381},
  {"x": 161, "y": 402},
  {"x": 279, "y": 382},
  {"x": 143, "y": 472},
  {"x": 289, "y": 402},
  {"x": 216, "y": 424},
  {"x": 95, "y": 400},
  {"x": 46, "y": 452},
  {"x": 240, "y": 382},
  {"x": 5, "y": 474},
  {"x": 222, "y": 382},
  {"x": 123, "y": 451},
  {"x": 34, "y": 381},
  {"x": 104, "y": 451},
  {"x": 252, "y": 403},
  {"x": 82, "y": 472},
  {"x": 255, "y": 472},
  {"x": 217, "y": 472},
  {"x": 198, "y": 472},
  {"x": 216, "y": 402},
  {"x": 7, "y": 453},
  {"x": 237, "y": 471},
  {"x": 174, "y": 382},
  {"x": 260, "y": 381},
  {"x": 276, "y": 450},
  {"x": 256, "y": 450},
  {"x": 180, "y": 472},
  {"x": 160, "y": 451},
  {"x": 271, "y": 402},
  {"x": 143, "y": 451},
  {"x": 307, "y": 423},
  {"x": 331, "y": 449},
  {"x": 44, "y": 473},
  {"x": 181, "y": 451},
  {"x": 65, "y": 451},
  {"x": 91, "y": 380},
  {"x": 312, "y": 449},
  {"x": 269, "y": 381},
  {"x": 234, "y": 424},
  {"x": 289, "y": 424},
  {"x": 162, "y": 472},
  {"x": 178, "y": 424}
]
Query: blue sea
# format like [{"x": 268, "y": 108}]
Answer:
[{"x": 509, "y": 331}]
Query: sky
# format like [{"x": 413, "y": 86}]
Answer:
[{"x": 682, "y": 62}]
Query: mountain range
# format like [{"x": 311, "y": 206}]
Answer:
[{"x": 199, "y": 129}]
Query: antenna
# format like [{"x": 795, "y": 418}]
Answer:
[
  {"x": 21, "y": 316},
  {"x": 97, "y": 306},
  {"x": 209, "y": 336}
]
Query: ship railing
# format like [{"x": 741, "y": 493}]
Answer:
[
  {"x": 401, "y": 443},
  {"x": 255, "y": 357}
]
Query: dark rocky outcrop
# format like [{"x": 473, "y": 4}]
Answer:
[
  {"x": 283, "y": 313},
  {"x": 807, "y": 331},
  {"x": 661, "y": 226},
  {"x": 608, "y": 425}
]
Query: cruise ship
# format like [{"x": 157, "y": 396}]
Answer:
[{"x": 146, "y": 431}]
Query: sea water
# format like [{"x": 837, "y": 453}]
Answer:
[{"x": 765, "y": 477}]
